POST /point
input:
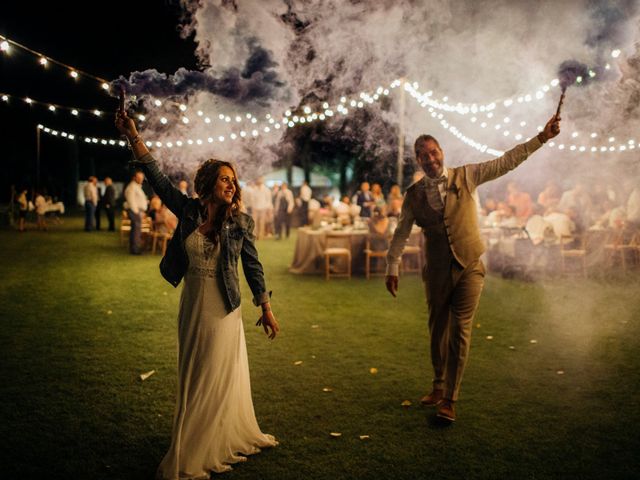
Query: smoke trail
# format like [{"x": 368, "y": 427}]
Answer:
[{"x": 258, "y": 81}]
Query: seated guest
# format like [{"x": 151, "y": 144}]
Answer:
[
  {"x": 576, "y": 199},
  {"x": 342, "y": 210},
  {"x": 364, "y": 199},
  {"x": 520, "y": 201},
  {"x": 561, "y": 223},
  {"x": 537, "y": 227},
  {"x": 165, "y": 221},
  {"x": 379, "y": 230},
  {"x": 378, "y": 196},
  {"x": 394, "y": 201},
  {"x": 508, "y": 217},
  {"x": 612, "y": 217},
  {"x": 488, "y": 207},
  {"x": 550, "y": 196},
  {"x": 502, "y": 217},
  {"x": 154, "y": 207}
]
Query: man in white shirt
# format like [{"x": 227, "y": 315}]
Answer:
[
  {"x": 262, "y": 207},
  {"x": 283, "y": 207},
  {"x": 90, "y": 202},
  {"x": 136, "y": 205}
]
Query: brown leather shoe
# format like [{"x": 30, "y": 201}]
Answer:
[
  {"x": 433, "y": 399},
  {"x": 446, "y": 410}
]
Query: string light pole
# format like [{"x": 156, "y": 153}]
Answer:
[
  {"x": 37, "y": 157},
  {"x": 401, "y": 133}
]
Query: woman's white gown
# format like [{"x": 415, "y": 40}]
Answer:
[{"x": 214, "y": 423}]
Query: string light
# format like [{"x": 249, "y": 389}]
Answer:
[
  {"x": 44, "y": 60},
  {"x": 73, "y": 110}
]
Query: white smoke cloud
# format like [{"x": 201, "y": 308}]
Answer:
[{"x": 469, "y": 51}]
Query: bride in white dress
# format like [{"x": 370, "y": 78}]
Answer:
[{"x": 214, "y": 422}]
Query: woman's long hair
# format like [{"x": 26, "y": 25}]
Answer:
[{"x": 204, "y": 185}]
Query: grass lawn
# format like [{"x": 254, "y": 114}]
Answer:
[{"x": 81, "y": 320}]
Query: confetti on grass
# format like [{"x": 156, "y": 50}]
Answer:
[
  {"x": 533, "y": 341},
  {"x": 560, "y": 372},
  {"x": 364, "y": 437},
  {"x": 406, "y": 403},
  {"x": 373, "y": 370},
  {"x": 298, "y": 362},
  {"x": 315, "y": 326},
  {"x": 489, "y": 337},
  {"x": 511, "y": 347},
  {"x": 335, "y": 434},
  {"x": 144, "y": 376},
  {"x": 327, "y": 389}
]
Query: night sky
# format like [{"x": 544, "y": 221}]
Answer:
[{"x": 106, "y": 40}]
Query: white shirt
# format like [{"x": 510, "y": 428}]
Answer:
[
  {"x": 561, "y": 223},
  {"x": 41, "y": 205},
  {"x": 91, "y": 193},
  {"x": 135, "y": 197},
  {"x": 305, "y": 193},
  {"x": 261, "y": 198},
  {"x": 284, "y": 196},
  {"x": 442, "y": 186}
]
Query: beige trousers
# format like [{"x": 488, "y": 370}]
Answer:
[{"x": 453, "y": 294}]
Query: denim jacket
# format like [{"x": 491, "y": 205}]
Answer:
[{"x": 236, "y": 241}]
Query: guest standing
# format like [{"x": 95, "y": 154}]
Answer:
[
  {"x": 136, "y": 205},
  {"x": 90, "y": 203},
  {"x": 262, "y": 206},
  {"x": 283, "y": 207},
  {"x": 23, "y": 208},
  {"x": 107, "y": 203}
]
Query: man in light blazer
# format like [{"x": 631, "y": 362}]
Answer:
[{"x": 442, "y": 204}]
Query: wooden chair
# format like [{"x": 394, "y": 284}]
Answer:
[
  {"x": 125, "y": 227},
  {"x": 371, "y": 253},
  {"x": 618, "y": 246},
  {"x": 412, "y": 260},
  {"x": 164, "y": 237},
  {"x": 337, "y": 246},
  {"x": 573, "y": 247}
]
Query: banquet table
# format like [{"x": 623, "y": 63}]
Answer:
[{"x": 308, "y": 256}]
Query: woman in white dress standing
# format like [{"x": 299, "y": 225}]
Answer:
[{"x": 214, "y": 424}]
